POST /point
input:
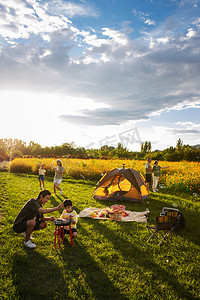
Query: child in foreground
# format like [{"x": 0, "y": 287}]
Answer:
[
  {"x": 70, "y": 214},
  {"x": 41, "y": 177}
]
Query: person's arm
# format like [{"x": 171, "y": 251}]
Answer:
[
  {"x": 148, "y": 168},
  {"x": 60, "y": 172},
  {"x": 49, "y": 210},
  {"x": 164, "y": 167},
  {"x": 52, "y": 165},
  {"x": 48, "y": 218},
  {"x": 74, "y": 218}
]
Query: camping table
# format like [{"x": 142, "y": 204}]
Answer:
[{"x": 58, "y": 229}]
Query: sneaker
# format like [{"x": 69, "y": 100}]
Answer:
[
  {"x": 29, "y": 244},
  {"x": 24, "y": 235},
  {"x": 61, "y": 191},
  {"x": 54, "y": 194},
  {"x": 154, "y": 191}
]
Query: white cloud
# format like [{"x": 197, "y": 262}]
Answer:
[
  {"x": 71, "y": 9},
  {"x": 191, "y": 33},
  {"x": 132, "y": 78},
  {"x": 115, "y": 35},
  {"x": 144, "y": 17},
  {"x": 191, "y": 126}
]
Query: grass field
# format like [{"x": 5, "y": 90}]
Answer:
[{"x": 110, "y": 260}]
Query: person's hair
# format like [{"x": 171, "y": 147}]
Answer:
[
  {"x": 148, "y": 158},
  {"x": 155, "y": 162},
  {"x": 44, "y": 193},
  {"x": 58, "y": 160},
  {"x": 67, "y": 202}
]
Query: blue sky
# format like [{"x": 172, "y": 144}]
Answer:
[{"x": 97, "y": 72}]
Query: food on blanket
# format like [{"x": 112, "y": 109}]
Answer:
[
  {"x": 125, "y": 214},
  {"x": 115, "y": 216},
  {"x": 117, "y": 207},
  {"x": 108, "y": 210},
  {"x": 93, "y": 214},
  {"x": 115, "y": 212}
]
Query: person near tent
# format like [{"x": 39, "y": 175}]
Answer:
[
  {"x": 156, "y": 175},
  {"x": 148, "y": 172},
  {"x": 31, "y": 217},
  {"x": 59, "y": 171}
]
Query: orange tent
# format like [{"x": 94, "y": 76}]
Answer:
[{"x": 122, "y": 185}]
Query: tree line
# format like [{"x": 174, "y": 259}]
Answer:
[{"x": 12, "y": 148}]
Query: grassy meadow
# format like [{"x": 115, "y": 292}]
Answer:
[{"x": 110, "y": 259}]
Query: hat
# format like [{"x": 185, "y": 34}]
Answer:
[{"x": 59, "y": 160}]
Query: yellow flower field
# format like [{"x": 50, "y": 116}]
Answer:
[{"x": 183, "y": 176}]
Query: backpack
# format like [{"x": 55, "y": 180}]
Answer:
[{"x": 180, "y": 220}]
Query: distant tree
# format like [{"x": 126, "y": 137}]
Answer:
[
  {"x": 149, "y": 147},
  {"x": 170, "y": 154},
  {"x": 142, "y": 148},
  {"x": 179, "y": 144},
  {"x": 145, "y": 148}
]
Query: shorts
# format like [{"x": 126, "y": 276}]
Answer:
[
  {"x": 66, "y": 231},
  {"x": 57, "y": 180},
  {"x": 41, "y": 177},
  {"x": 148, "y": 178},
  {"x": 22, "y": 226}
]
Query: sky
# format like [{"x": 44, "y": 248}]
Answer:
[{"x": 100, "y": 72}]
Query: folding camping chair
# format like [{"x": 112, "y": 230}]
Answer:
[{"x": 166, "y": 224}]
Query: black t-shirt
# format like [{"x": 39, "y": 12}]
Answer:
[{"x": 29, "y": 211}]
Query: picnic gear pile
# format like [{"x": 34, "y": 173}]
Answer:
[
  {"x": 122, "y": 185},
  {"x": 169, "y": 221},
  {"x": 115, "y": 212},
  {"x": 59, "y": 231}
]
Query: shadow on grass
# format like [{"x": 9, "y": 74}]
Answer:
[
  {"x": 36, "y": 277},
  {"x": 56, "y": 200},
  {"x": 63, "y": 196},
  {"x": 141, "y": 261},
  {"x": 79, "y": 181},
  {"x": 95, "y": 279}
]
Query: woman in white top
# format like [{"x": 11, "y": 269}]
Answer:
[{"x": 59, "y": 171}]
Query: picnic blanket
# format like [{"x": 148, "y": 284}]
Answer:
[{"x": 131, "y": 216}]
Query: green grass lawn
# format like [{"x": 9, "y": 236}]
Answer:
[{"x": 110, "y": 260}]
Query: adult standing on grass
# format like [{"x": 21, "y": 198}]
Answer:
[
  {"x": 31, "y": 217},
  {"x": 59, "y": 171},
  {"x": 148, "y": 172},
  {"x": 156, "y": 175}
]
